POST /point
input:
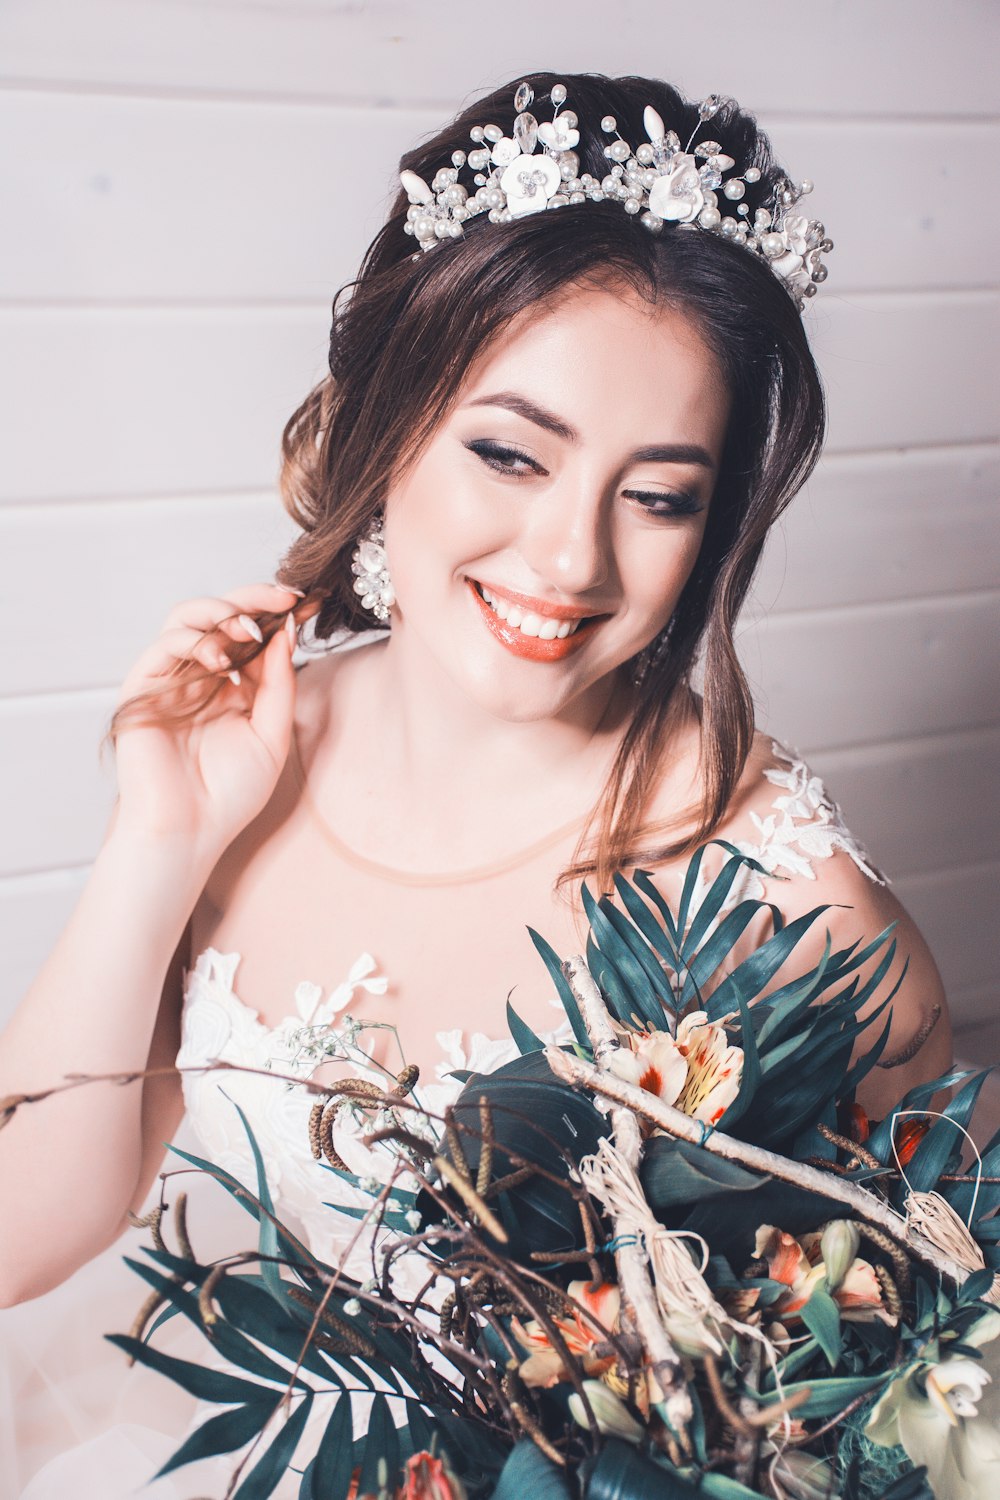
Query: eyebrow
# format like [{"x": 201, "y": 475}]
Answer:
[{"x": 666, "y": 453}]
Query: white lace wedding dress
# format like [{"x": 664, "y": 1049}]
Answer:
[{"x": 69, "y": 1394}]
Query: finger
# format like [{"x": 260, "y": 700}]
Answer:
[
  {"x": 209, "y": 610},
  {"x": 274, "y": 699},
  {"x": 171, "y": 649}
]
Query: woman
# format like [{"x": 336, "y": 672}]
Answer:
[{"x": 547, "y": 457}]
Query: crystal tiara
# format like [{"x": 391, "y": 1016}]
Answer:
[{"x": 536, "y": 167}]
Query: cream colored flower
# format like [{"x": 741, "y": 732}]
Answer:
[
  {"x": 529, "y": 182},
  {"x": 714, "y": 1068},
  {"x": 697, "y": 1071},
  {"x": 544, "y": 1365},
  {"x": 947, "y": 1416},
  {"x": 612, "y": 1416}
]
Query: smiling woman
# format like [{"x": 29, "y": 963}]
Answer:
[
  {"x": 546, "y": 459},
  {"x": 554, "y": 512}
]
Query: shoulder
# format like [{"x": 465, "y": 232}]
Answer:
[
  {"x": 807, "y": 861},
  {"x": 788, "y": 820},
  {"x": 328, "y": 679},
  {"x": 791, "y": 823}
]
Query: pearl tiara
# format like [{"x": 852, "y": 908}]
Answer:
[{"x": 536, "y": 167}]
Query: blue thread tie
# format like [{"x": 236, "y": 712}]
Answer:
[{"x": 622, "y": 1239}]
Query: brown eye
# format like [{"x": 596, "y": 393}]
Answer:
[
  {"x": 502, "y": 458},
  {"x": 659, "y": 504}
]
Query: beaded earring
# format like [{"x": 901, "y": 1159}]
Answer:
[
  {"x": 371, "y": 567},
  {"x": 651, "y": 656}
]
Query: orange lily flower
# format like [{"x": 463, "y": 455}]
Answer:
[
  {"x": 799, "y": 1265},
  {"x": 544, "y": 1365}
]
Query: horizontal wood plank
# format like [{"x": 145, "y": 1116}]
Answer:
[
  {"x": 56, "y": 794},
  {"x": 899, "y": 369},
  {"x": 876, "y": 672},
  {"x": 163, "y": 402},
  {"x": 33, "y": 912},
  {"x": 957, "y": 911},
  {"x": 113, "y": 570},
  {"x": 897, "y": 56},
  {"x": 118, "y": 199},
  {"x": 182, "y": 401},
  {"x": 916, "y": 803},
  {"x": 870, "y": 527}
]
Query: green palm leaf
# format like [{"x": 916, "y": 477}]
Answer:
[{"x": 267, "y": 1473}]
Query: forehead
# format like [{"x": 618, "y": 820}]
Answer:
[{"x": 606, "y": 357}]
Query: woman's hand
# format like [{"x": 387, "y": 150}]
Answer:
[{"x": 205, "y": 778}]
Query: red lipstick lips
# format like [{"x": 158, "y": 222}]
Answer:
[{"x": 529, "y": 647}]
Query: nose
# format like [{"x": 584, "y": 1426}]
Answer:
[{"x": 566, "y": 539}]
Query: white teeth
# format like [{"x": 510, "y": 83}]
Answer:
[{"x": 545, "y": 627}]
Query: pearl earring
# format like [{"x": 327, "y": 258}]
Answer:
[{"x": 371, "y": 566}]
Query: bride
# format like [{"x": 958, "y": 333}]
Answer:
[{"x": 533, "y": 492}]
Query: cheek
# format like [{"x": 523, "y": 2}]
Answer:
[
  {"x": 440, "y": 518},
  {"x": 658, "y": 569}
]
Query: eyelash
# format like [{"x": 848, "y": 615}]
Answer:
[{"x": 500, "y": 457}]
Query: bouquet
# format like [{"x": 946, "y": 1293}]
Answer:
[{"x": 670, "y": 1258}]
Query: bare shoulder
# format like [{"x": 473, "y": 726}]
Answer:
[{"x": 814, "y": 860}]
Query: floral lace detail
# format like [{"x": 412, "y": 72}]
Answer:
[
  {"x": 218, "y": 1026},
  {"x": 804, "y": 824}
]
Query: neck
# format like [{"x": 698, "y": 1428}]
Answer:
[{"x": 434, "y": 739}]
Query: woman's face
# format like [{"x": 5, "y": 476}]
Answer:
[{"x": 546, "y": 531}]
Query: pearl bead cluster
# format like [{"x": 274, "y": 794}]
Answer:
[
  {"x": 658, "y": 180},
  {"x": 370, "y": 566}
]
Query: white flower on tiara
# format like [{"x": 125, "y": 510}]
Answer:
[
  {"x": 558, "y": 134},
  {"x": 791, "y": 266},
  {"x": 678, "y": 194},
  {"x": 504, "y": 152},
  {"x": 529, "y": 182}
]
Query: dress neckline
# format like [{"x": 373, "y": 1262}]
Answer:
[{"x": 390, "y": 873}]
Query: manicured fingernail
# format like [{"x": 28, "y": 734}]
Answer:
[
  {"x": 234, "y": 677},
  {"x": 290, "y": 628},
  {"x": 251, "y": 626},
  {"x": 289, "y": 590}
]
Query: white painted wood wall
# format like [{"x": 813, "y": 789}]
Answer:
[{"x": 181, "y": 195}]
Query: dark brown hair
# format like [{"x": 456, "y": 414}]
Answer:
[{"x": 406, "y": 331}]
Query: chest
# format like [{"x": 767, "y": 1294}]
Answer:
[{"x": 451, "y": 952}]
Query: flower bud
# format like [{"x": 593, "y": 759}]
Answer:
[
  {"x": 802, "y": 1476},
  {"x": 612, "y": 1416},
  {"x": 692, "y": 1336},
  {"x": 838, "y": 1246}
]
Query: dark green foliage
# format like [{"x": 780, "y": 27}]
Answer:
[
  {"x": 622, "y": 1472},
  {"x": 535, "y": 1119}
]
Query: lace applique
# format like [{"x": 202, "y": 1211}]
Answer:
[{"x": 804, "y": 824}]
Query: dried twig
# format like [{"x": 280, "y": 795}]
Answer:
[
  {"x": 632, "y": 1264},
  {"x": 863, "y": 1203}
]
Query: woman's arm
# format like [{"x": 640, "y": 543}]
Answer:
[
  {"x": 106, "y": 1000},
  {"x": 919, "y": 1046}
]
